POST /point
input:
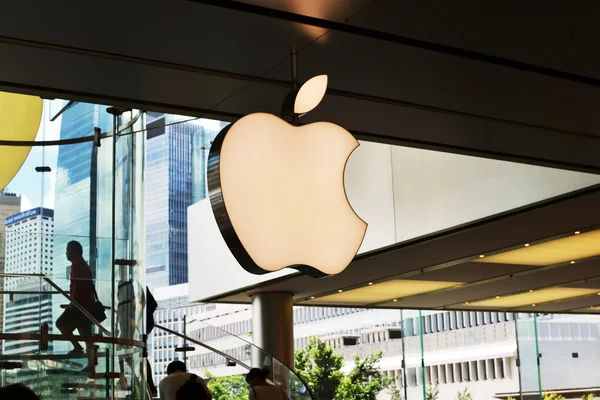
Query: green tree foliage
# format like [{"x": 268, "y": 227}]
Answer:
[
  {"x": 319, "y": 367},
  {"x": 228, "y": 387},
  {"x": 365, "y": 381},
  {"x": 396, "y": 393},
  {"x": 464, "y": 395},
  {"x": 433, "y": 392},
  {"x": 588, "y": 397},
  {"x": 553, "y": 396}
]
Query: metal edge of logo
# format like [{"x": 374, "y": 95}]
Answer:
[{"x": 217, "y": 202}]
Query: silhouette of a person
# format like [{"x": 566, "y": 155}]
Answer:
[{"x": 82, "y": 291}]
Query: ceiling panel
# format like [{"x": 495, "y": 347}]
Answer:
[
  {"x": 393, "y": 289},
  {"x": 512, "y": 282},
  {"x": 554, "y": 36},
  {"x": 533, "y": 297},
  {"x": 574, "y": 247}
]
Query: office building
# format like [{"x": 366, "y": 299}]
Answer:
[
  {"x": 10, "y": 204},
  {"x": 176, "y": 159},
  {"x": 173, "y": 305},
  {"x": 202, "y": 140},
  {"x": 29, "y": 250},
  {"x": 476, "y": 351}
]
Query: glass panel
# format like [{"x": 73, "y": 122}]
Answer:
[
  {"x": 528, "y": 349},
  {"x": 229, "y": 355},
  {"x": 77, "y": 200}
]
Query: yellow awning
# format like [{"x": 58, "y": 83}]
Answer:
[{"x": 20, "y": 117}]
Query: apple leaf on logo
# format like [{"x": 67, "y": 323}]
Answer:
[{"x": 310, "y": 94}]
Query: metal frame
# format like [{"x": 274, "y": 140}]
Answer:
[{"x": 67, "y": 338}]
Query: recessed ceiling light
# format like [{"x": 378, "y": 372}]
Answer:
[
  {"x": 370, "y": 283},
  {"x": 526, "y": 244},
  {"x": 530, "y": 290},
  {"x": 497, "y": 297},
  {"x": 395, "y": 300},
  {"x": 340, "y": 291},
  {"x": 598, "y": 294},
  {"x": 592, "y": 307},
  {"x": 572, "y": 262},
  {"x": 577, "y": 232},
  {"x": 533, "y": 305},
  {"x": 312, "y": 297},
  {"x": 466, "y": 302},
  {"x": 481, "y": 255}
]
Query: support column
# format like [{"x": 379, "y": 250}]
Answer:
[{"x": 273, "y": 328}]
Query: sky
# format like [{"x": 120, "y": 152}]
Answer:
[{"x": 28, "y": 182}]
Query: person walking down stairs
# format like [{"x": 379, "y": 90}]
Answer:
[{"x": 82, "y": 291}]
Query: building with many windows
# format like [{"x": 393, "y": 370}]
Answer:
[
  {"x": 177, "y": 153},
  {"x": 173, "y": 307},
  {"x": 10, "y": 204},
  {"x": 29, "y": 250},
  {"x": 455, "y": 351}
]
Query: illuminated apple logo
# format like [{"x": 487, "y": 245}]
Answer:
[{"x": 277, "y": 190}]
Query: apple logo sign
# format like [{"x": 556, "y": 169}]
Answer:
[{"x": 277, "y": 190}]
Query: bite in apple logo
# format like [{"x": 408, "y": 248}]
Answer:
[{"x": 277, "y": 190}]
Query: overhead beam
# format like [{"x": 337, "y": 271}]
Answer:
[{"x": 400, "y": 40}]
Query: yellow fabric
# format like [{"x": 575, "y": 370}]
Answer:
[{"x": 20, "y": 117}]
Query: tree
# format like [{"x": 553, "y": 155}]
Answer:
[
  {"x": 433, "y": 392},
  {"x": 228, "y": 387},
  {"x": 365, "y": 381},
  {"x": 319, "y": 367},
  {"x": 588, "y": 397},
  {"x": 464, "y": 395}
]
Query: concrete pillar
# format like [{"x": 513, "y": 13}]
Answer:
[{"x": 273, "y": 328}]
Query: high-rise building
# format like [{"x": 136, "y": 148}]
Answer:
[
  {"x": 83, "y": 197},
  {"x": 77, "y": 182},
  {"x": 29, "y": 250},
  {"x": 10, "y": 204},
  {"x": 170, "y": 174},
  {"x": 201, "y": 141}
]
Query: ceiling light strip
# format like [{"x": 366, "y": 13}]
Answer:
[
  {"x": 558, "y": 285},
  {"x": 532, "y": 270},
  {"x": 567, "y": 310}
]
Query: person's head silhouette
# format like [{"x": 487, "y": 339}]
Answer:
[
  {"x": 74, "y": 250},
  {"x": 175, "y": 366},
  {"x": 257, "y": 377},
  {"x": 17, "y": 391}
]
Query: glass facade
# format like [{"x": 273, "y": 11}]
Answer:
[
  {"x": 97, "y": 192},
  {"x": 177, "y": 151}
]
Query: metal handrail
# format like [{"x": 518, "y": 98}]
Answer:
[
  {"x": 83, "y": 139},
  {"x": 65, "y": 294},
  {"x": 203, "y": 345},
  {"x": 71, "y": 338}
]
